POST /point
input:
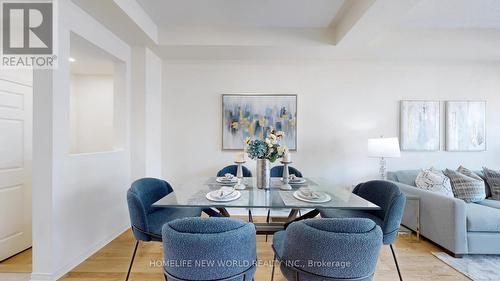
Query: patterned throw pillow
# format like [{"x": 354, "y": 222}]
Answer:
[
  {"x": 493, "y": 179},
  {"x": 466, "y": 185},
  {"x": 435, "y": 181}
]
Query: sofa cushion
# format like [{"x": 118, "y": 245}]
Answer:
[
  {"x": 407, "y": 176},
  {"x": 486, "y": 184},
  {"x": 466, "y": 185},
  {"x": 435, "y": 181},
  {"x": 482, "y": 218},
  {"x": 493, "y": 179},
  {"x": 490, "y": 203}
]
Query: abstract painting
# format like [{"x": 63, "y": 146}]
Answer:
[
  {"x": 255, "y": 116},
  {"x": 420, "y": 125},
  {"x": 466, "y": 125}
]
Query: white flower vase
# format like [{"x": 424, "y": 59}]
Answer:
[{"x": 263, "y": 174}]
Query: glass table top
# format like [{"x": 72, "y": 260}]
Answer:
[{"x": 193, "y": 194}]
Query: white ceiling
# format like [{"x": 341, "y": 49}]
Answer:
[
  {"x": 454, "y": 14},
  {"x": 316, "y": 29},
  {"x": 242, "y": 13}
]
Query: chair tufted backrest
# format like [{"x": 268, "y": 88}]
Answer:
[
  {"x": 140, "y": 196},
  {"x": 277, "y": 171},
  {"x": 227, "y": 246},
  {"x": 391, "y": 201},
  {"x": 351, "y": 245},
  {"x": 233, "y": 169}
]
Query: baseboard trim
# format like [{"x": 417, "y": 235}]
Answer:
[
  {"x": 79, "y": 259},
  {"x": 41, "y": 277}
]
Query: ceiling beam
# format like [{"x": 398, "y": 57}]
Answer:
[
  {"x": 117, "y": 20},
  {"x": 137, "y": 14},
  {"x": 348, "y": 15},
  {"x": 359, "y": 22}
]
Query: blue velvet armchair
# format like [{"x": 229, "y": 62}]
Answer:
[
  {"x": 277, "y": 171},
  {"x": 232, "y": 169},
  {"x": 147, "y": 221},
  {"x": 209, "y": 249},
  {"x": 391, "y": 202},
  {"x": 328, "y": 249}
]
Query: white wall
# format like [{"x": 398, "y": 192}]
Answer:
[
  {"x": 92, "y": 124},
  {"x": 340, "y": 105},
  {"x": 147, "y": 114},
  {"x": 153, "y": 114},
  {"x": 80, "y": 201}
]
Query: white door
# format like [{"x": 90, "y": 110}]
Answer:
[{"x": 15, "y": 161}]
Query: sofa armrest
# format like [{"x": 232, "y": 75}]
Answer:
[{"x": 442, "y": 218}]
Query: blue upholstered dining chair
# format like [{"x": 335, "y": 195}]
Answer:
[
  {"x": 232, "y": 169},
  {"x": 209, "y": 249},
  {"x": 391, "y": 202},
  {"x": 328, "y": 249},
  {"x": 277, "y": 171},
  {"x": 147, "y": 221}
]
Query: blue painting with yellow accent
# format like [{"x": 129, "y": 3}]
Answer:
[{"x": 255, "y": 116}]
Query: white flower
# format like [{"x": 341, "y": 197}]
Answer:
[
  {"x": 282, "y": 150},
  {"x": 269, "y": 142},
  {"x": 273, "y": 138}
]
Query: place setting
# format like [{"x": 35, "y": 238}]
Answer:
[
  {"x": 231, "y": 180},
  {"x": 303, "y": 196},
  {"x": 227, "y": 179},
  {"x": 224, "y": 194},
  {"x": 307, "y": 194},
  {"x": 293, "y": 180}
]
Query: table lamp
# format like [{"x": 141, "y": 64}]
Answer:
[{"x": 383, "y": 148}]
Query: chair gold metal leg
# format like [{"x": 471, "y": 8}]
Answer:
[{"x": 132, "y": 261}]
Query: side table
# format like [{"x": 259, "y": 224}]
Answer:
[{"x": 416, "y": 199}]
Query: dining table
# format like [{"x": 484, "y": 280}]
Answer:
[{"x": 193, "y": 193}]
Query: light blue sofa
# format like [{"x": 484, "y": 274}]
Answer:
[{"x": 461, "y": 228}]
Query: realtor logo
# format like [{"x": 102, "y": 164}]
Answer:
[{"x": 27, "y": 34}]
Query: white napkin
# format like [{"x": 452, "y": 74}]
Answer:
[
  {"x": 309, "y": 193},
  {"x": 228, "y": 177},
  {"x": 224, "y": 191}
]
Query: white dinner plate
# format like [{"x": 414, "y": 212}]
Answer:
[
  {"x": 226, "y": 181},
  {"x": 296, "y": 181},
  {"x": 212, "y": 196},
  {"x": 322, "y": 199}
]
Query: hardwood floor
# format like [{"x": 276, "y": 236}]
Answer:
[
  {"x": 20, "y": 263},
  {"x": 111, "y": 262}
]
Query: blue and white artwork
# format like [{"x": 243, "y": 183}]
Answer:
[
  {"x": 255, "y": 116},
  {"x": 466, "y": 125},
  {"x": 420, "y": 125}
]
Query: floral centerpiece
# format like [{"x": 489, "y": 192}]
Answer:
[{"x": 265, "y": 151}]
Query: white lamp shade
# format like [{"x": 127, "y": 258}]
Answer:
[{"x": 383, "y": 147}]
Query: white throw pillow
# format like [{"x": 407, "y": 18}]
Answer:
[{"x": 435, "y": 181}]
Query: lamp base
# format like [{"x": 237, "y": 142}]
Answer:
[{"x": 383, "y": 170}]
